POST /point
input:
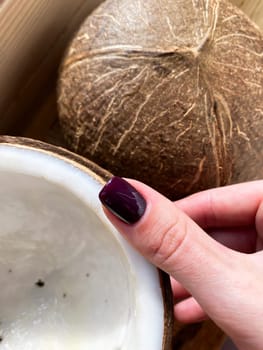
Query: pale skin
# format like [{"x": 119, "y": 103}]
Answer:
[{"x": 219, "y": 278}]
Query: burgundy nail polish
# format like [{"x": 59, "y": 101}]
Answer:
[{"x": 123, "y": 200}]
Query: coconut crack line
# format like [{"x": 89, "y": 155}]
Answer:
[
  {"x": 129, "y": 52},
  {"x": 209, "y": 35},
  {"x": 242, "y": 47},
  {"x": 212, "y": 134},
  {"x": 234, "y": 36},
  {"x": 121, "y": 51}
]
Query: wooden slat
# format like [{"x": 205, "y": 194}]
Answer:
[
  {"x": 33, "y": 38},
  {"x": 253, "y": 8}
]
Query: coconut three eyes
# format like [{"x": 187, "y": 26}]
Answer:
[{"x": 168, "y": 92}]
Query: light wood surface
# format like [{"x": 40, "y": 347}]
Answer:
[
  {"x": 33, "y": 37},
  {"x": 253, "y": 8}
]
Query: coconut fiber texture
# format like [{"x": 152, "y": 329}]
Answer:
[{"x": 167, "y": 91}]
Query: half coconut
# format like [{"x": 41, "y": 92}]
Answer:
[{"x": 68, "y": 279}]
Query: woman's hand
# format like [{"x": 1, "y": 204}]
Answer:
[{"x": 203, "y": 242}]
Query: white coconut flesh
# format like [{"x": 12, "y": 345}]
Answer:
[{"x": 68, "y": 280}]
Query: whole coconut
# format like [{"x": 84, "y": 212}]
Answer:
[{"x": 168, "y": 92}]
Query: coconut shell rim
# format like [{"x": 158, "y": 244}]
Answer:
[{"x": 102, "y": 176}]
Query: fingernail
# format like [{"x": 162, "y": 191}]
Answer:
[{"x": 123, "y": 200}]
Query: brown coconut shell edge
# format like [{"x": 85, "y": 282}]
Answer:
[{"x": 102, "y": 176}]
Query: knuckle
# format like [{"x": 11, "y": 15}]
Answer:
[{"x": 167, "y": 242}]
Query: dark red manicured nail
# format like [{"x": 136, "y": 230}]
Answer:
[{"x": 123, "y": 200}]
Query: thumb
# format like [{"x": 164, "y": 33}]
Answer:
[{"x": 169, "y": 239}]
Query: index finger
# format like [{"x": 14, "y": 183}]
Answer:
[{"x": 228, "y": 206}]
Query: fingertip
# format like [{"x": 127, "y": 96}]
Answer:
[
  {"x": 179, "y": 291},
  {"x": 189, "y": 311},
  {"x": 123, "y": 200}
]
